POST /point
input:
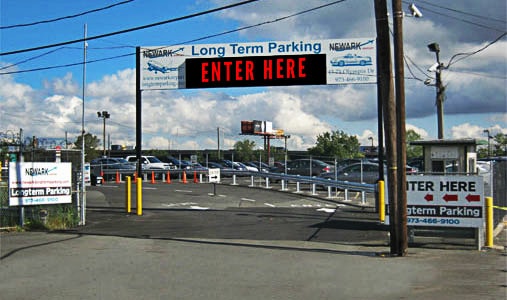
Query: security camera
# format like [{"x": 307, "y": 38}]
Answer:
[
  {"x": 427, "y": 81},
  {"x": 433, "y": 68},
  {"x": 415, "y": 11}
]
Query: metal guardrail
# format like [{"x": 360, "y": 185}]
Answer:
[
  {"x": 268, "y": 179},
  {"x": 273, "y": 177}
]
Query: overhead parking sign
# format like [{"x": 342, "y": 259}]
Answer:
[
  {"x": 455, "y": 201},
  {"x": 303, "y": 62}
]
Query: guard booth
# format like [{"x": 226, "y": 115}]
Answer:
[{"x": 449, "y": 156}]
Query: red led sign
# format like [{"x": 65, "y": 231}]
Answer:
[{"x": 255, "y": 71}]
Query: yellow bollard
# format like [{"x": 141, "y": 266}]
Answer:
[
  {"x": 128, "y": 195},
  {"x": 489, "y": 222},
  {"x": 139, "y": 187},
  {"x": 381, "y": 201}
]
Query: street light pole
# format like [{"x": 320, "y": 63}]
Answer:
[
  {"x": 434, "y": 47},
  {"x": 486, "y": 131},
  {"x": 104, "y": 115}
]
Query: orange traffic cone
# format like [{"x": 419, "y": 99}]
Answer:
[
  {"x": 184, "y": 177},
  {"x": 168, "y": 177},
  {"x": 135, "y": 177},
  {"x": 152, "y": 177},
  {"x": 195, "y": 177},
  {"x": 117, "y": 177},
  {"x": 102, "y": 175}
]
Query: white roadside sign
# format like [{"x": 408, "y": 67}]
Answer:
[
  {"x": 38, "y": 183},
  {"x": 214, "y": 175},
  {"x": 456, "y": 201}
]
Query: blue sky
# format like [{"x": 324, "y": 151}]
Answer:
[{"x": 48, "y": 102}]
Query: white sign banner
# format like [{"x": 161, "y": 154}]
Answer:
[
  {"x": 214, "y": 175},
  {"x": 38, "y": 183},
  {"x": 456, "y": 201},
  {"x": 348, "y": 61}
]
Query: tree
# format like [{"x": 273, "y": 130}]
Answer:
[
  {"x": 337, "y": 144},
  {"x": 244, "y": 150},
  {"x": 500, "y": 146},
  {"x": 413, "y": 151},
  {"x": 91, "y": 144}
]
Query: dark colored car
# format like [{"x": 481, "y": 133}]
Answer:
[
  {"x": 366, "y": 172},
  {"x": 357, "y": 172},
  {"x": 109, "y": 166},
  {"x": 306, "y": 167}
]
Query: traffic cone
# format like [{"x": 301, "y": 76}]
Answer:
[
  {"x": 195, "y": 177},
  {"x": 102, "y": 175},
  {"x": 117, "y": 177},
  {"x": 168, "y": 177},
  {"x": 135, "y": 176},
  {"x": 184, "y": 177},
  {"x": 152, "y": 177}
]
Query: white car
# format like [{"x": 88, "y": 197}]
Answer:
[
  {"x": 149, "y": 162},
  {"x": 351, "y": 60}
]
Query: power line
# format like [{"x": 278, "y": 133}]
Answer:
[
  {"x": 468, "y": 54},
  {"x": 461, "y": 12},
  {"x": 130, "y": 29},
  {"x": 180, "y": 43},
  {"x": 66, "y": 17},
  {"x": 459, "y": 19}
]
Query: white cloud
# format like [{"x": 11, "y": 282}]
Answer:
[{"x": 179, "y": 119}]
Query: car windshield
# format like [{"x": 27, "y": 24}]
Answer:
[{"x": 153, "y": 159}]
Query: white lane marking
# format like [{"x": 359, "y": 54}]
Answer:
[
  {"x": 270, "y": 205},
  {"x": 183, "y": 191},
  {"x": 199, "y": 207},
  {"x": 246, "y": 199},
  {"x": 179, "y": 204},
  {"x": 328, "y": 210}
]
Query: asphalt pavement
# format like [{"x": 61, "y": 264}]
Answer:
[{"x": 241, "y": 243}]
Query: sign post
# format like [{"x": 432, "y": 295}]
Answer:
[{"x": 214, "y": 177}]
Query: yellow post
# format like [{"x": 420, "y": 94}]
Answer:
[
  {"x": 381, "y": 201},
  {"x": 128, "y": 195},
  {"x": 139, "y": 187},
  {"x": 489, "y": 222}
]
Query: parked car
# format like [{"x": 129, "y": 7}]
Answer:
[
  {"x": 108, "y": 166},
  {"x": 306, "y": 167},
  {"x": 224, "y": 170},
  {"x": 365, "y": 172},
  {"x": 263, "y": 167},
  {"x": 234, "y": 165},
  {"x": 149, "y": 162}
]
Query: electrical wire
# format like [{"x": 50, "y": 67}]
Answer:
[
  {"x": 66, "y": 17},
  {"x": 130, "y": 29},
  {"x": 426, "y": 9},
  {"x": 468, "y": 54},
  {"x": 180, "y": 43},
  {"x": 461, "y": 12}
]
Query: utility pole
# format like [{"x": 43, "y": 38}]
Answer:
[
  {"x": 385, "y": 90},
  {"x": 384, "y": 79},
  {"x": 218, "y": 143},
  {"x": 434, "y": 47},
  {"x": 104, "y": 115},
  {"x": 400, "y": 240},
  {"x": 83, "y": 185}
]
